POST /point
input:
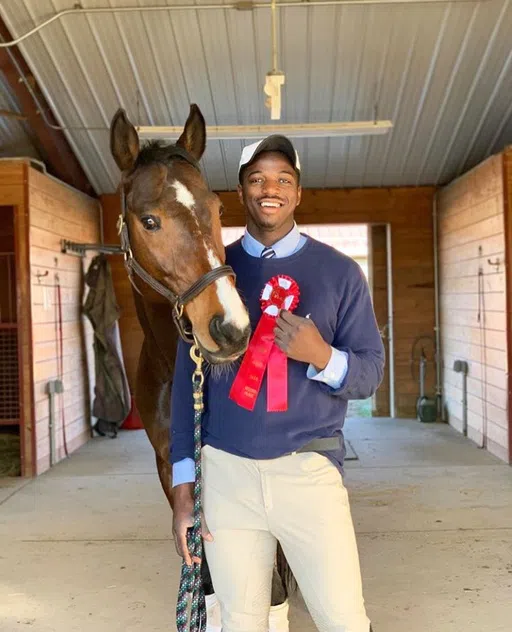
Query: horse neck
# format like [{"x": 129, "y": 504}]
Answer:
[{"x": 160, "y": 332}]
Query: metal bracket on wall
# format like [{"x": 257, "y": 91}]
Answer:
[
  {"x": 41, "y": 275},
  {"x": 76, "y": 248},
  {"x": 495, "y": 263}
]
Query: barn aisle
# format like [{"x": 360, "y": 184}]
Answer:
[{"x": 87, "y": 548}]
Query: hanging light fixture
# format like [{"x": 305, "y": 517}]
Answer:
[
  {"x": 274, "y": 81},
  {"x": 275, "y": 78}
]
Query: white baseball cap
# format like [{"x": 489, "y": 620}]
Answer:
[{"x": 276, "y": 142}]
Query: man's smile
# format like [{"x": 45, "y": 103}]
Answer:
[{"x": 270, "y": 205}]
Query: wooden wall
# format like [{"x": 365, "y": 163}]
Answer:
[
  {"x": 473, "y": 302},
  {"x": 58, "y": 212},
  {"x": 507, "y": 203},
  {"x": 409, "y": 210}
]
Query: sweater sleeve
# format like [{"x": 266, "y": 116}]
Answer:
[
  {"x": 182, "y": 406},
  {"x": 357, "y": 334}
]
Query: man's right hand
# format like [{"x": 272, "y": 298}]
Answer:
[{"x": 183, "y": 519}]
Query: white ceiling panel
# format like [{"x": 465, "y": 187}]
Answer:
[{"x": 442, "y": 72}]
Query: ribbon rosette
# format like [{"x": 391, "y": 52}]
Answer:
[{"x": 281, "y": 292}]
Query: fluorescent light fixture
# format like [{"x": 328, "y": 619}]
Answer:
[{"x": 304, "y": 130}]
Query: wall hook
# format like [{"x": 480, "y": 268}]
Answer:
[
  {"x": 496, "y": 264},
  {"x": 41, "y": 275}
]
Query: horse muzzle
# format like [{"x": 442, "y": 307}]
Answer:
[{"x": 232, "y": 342}]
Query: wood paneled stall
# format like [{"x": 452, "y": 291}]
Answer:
[
  {"x": 47, "y": 211},
  {"x": 507, "y": 200},
  {"x": 474, "y": 257}
]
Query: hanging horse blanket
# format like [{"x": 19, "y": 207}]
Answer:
[{"x": 112, "y": 400}]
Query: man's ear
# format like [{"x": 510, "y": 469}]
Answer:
[
  {"x": 240, "y": 193},
  {"x": 299, "y": 194}
]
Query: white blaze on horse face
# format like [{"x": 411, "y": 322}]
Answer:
[
  {"x": 234, "y": 310},
  {"x": 183, "y": 195}
]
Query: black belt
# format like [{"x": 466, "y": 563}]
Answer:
[{"x": 321, "y": 445}]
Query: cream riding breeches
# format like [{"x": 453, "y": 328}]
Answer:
[{"x": 300, "y": 501}]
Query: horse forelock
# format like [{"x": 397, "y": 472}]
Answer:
[{"x": 155, "y": 151}]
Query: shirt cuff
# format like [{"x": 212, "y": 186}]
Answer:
[
  {"x": 183, "y": 472},
  {"x": 335, "y": 371}
]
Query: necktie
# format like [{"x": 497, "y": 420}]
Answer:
[{"x": 268, "y": 253}]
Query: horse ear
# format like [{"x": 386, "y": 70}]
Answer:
[
  {"x": 193, "y": 138},
  {"x": 124, "y": 141}
]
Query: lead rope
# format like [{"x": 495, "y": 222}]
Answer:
[{"x": 191, "y": 581}]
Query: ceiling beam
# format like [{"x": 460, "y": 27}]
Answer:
[
  {"x": 291, "y": 130},
  {"x": 52, "y": 144}
]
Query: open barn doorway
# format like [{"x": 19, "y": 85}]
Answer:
[
  {"x": 10, "y": 413},
  {"x": 370, "y": 246}
]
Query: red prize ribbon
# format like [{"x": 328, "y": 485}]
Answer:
[{"x": 281, "y": 292}]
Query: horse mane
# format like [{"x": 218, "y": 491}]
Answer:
[{"x": 155, "y": 151}]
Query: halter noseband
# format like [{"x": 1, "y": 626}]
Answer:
[{"x": 178, "y": 301}]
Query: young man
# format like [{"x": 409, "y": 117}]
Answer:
[{"x": 277, "y": 476}]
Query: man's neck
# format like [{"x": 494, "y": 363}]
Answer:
[{"x": 269, "y": 237}]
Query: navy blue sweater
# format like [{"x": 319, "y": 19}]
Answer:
[{"x": 334, "y": 291}]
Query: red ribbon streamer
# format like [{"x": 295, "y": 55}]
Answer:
[{"x": 281, "y": 292}]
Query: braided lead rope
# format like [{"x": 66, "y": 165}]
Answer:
[{"x": 191, "y": 580}]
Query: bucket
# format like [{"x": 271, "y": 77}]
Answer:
[{"x": 133, "y": 420}]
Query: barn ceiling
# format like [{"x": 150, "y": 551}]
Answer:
[
  {"x": 15, "y": 137},
  {"x": 442, "y": 72}
]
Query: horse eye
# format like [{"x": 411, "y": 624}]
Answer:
[{"x": 150, "y": 223}]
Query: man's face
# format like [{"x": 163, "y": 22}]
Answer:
[{"x": 270, "y": 192}]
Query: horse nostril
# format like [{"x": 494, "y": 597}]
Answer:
[
  {"x": 225, "y": 333},
  {"x": 216, "y": 328}
]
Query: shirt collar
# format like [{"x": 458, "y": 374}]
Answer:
[{"x": 283, "y": 248}]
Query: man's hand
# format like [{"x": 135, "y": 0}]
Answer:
[
  {"x": 300, "y": 339},
  {"x": 183, "y": 519}
]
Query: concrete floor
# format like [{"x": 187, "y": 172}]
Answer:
[{"x": 86, "y": 547}]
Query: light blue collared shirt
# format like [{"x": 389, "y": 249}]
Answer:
[
  {"x": 333, "y": 374},
  {"x": 285, "y": 247}
]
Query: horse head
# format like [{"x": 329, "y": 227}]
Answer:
[{"x": 173, "y": 223}]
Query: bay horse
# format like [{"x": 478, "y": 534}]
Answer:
[{"x": 172, "y": 231}]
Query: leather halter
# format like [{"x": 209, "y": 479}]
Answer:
[{"x": 178, "y": 301}]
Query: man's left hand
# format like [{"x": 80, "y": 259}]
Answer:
[{"x": 300, "y": 339}]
